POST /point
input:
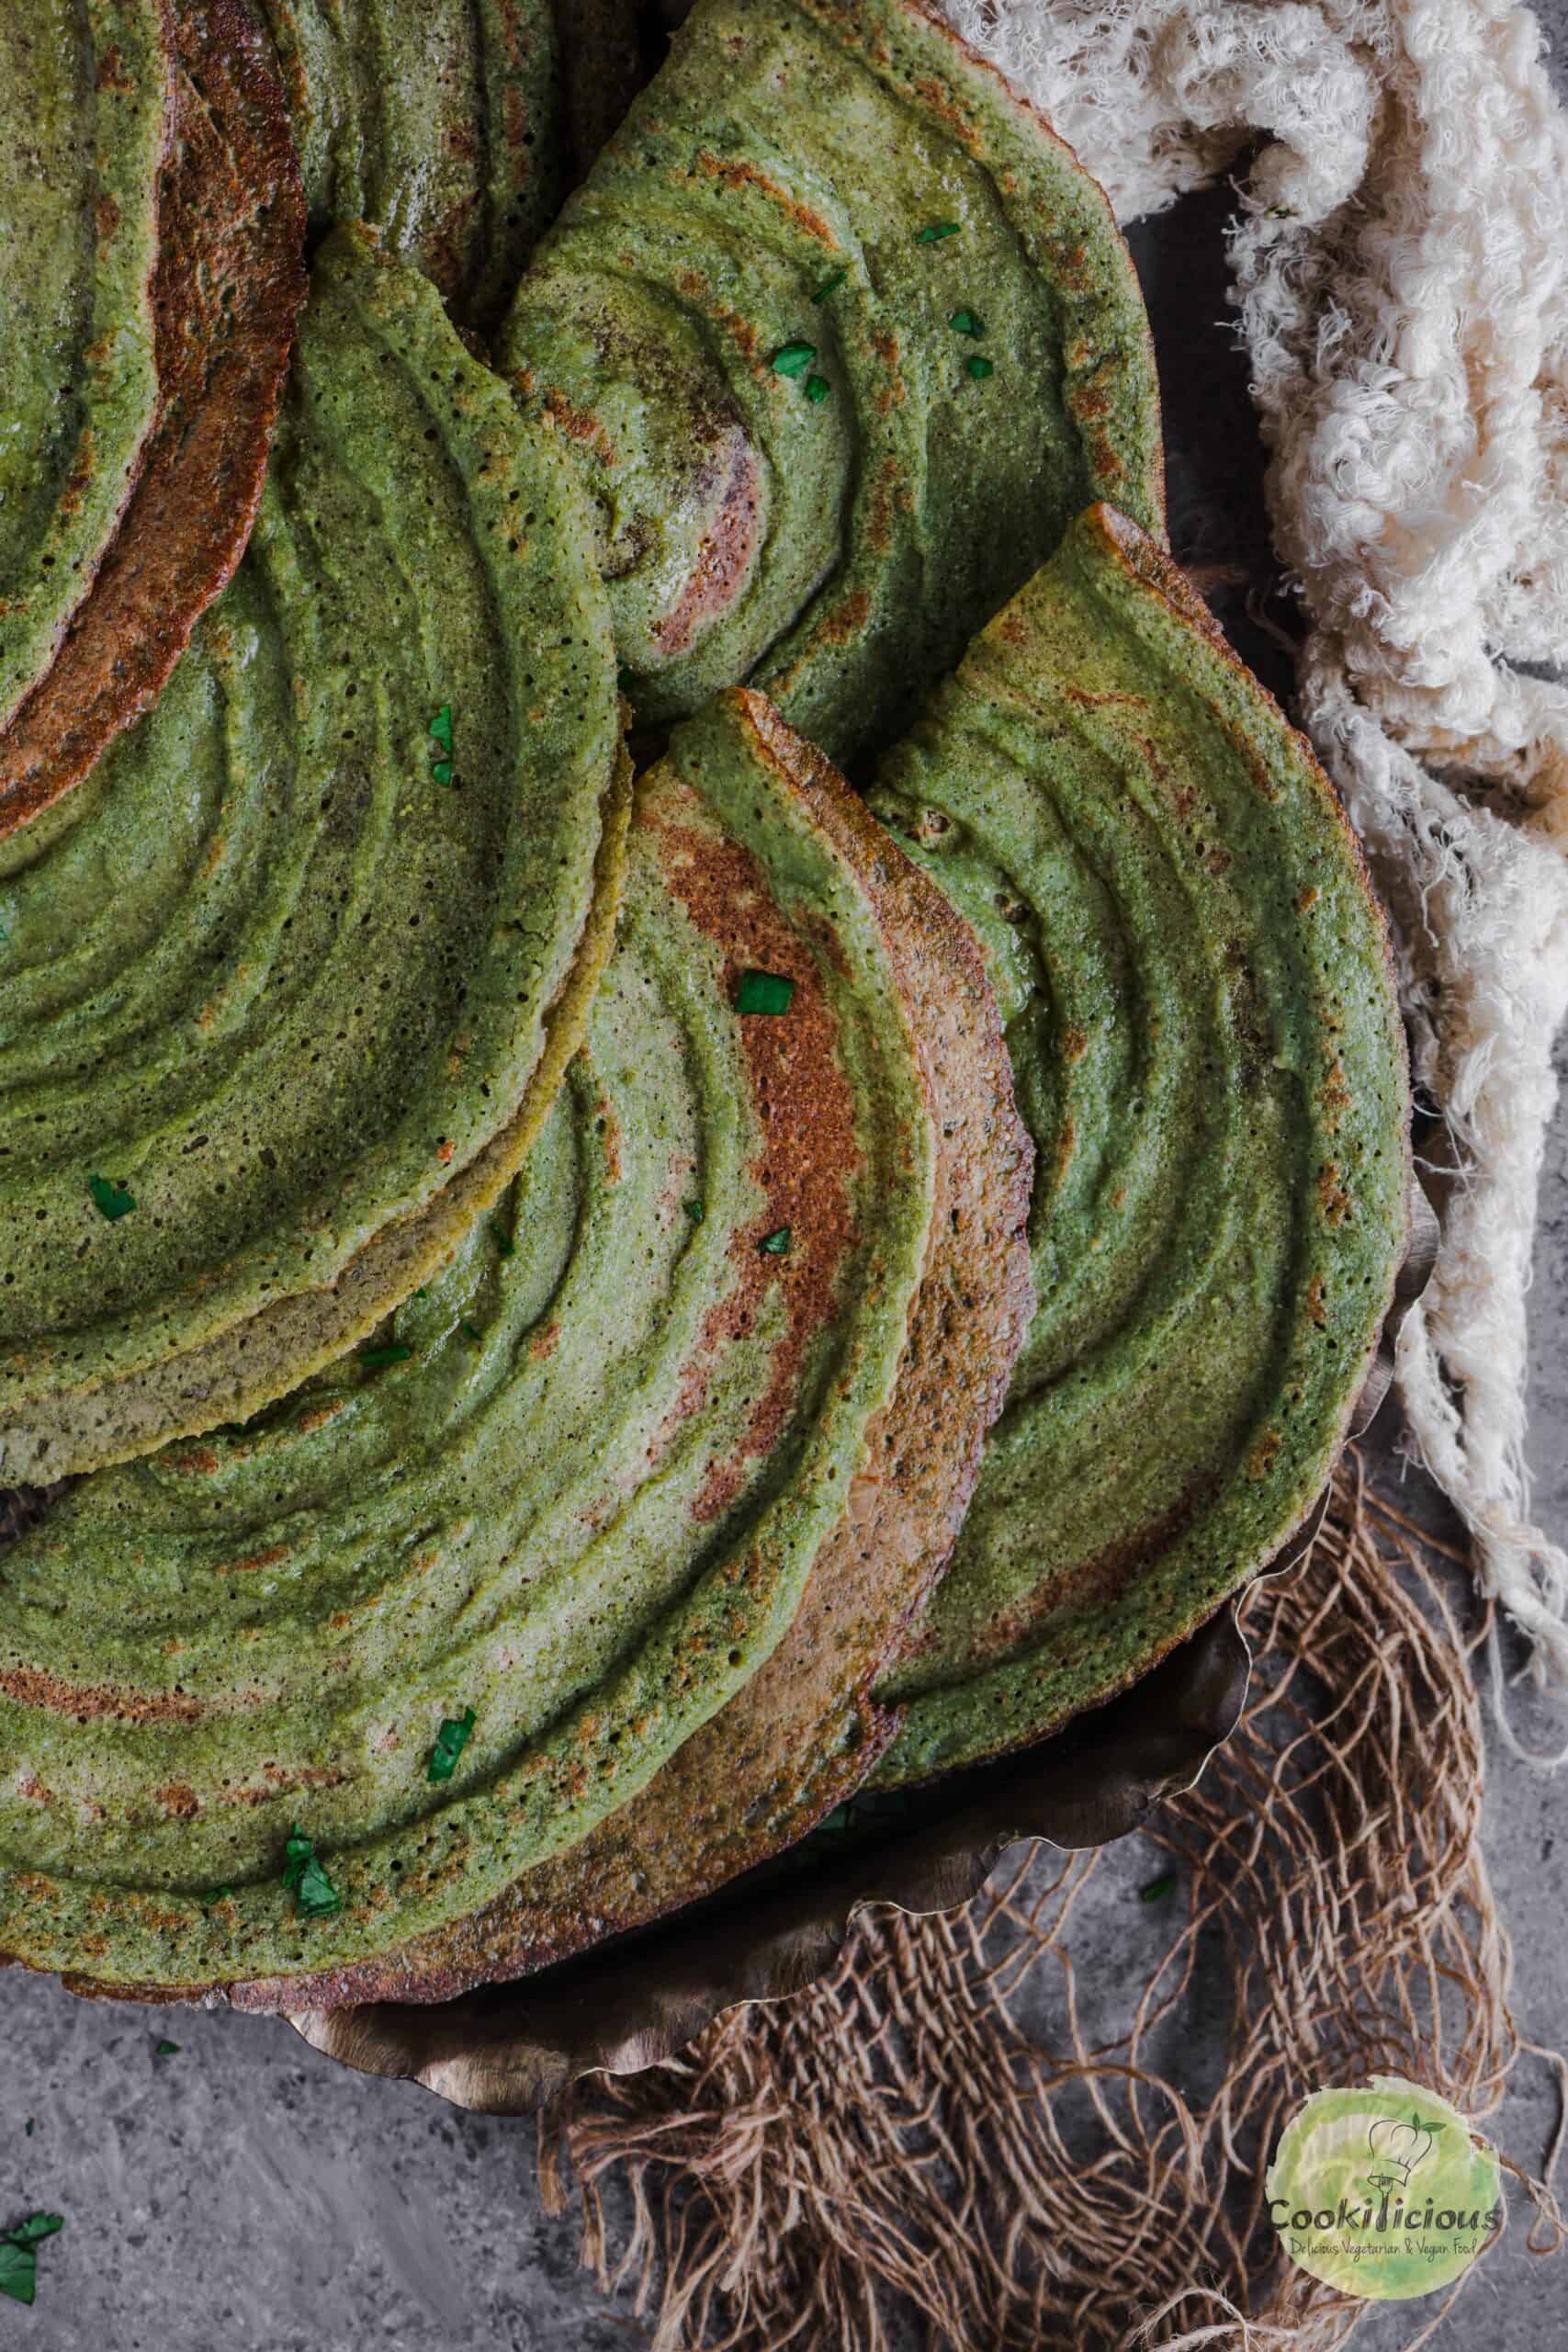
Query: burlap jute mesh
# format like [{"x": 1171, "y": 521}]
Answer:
[{"x": 892, "y": 2145}]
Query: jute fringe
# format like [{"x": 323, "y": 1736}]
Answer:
[{"x": 893, "y": 2144}]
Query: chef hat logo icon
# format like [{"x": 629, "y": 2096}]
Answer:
[{"x": 1399, "y": 2148}]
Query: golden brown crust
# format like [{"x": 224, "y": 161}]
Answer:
[
  {"x": 228, "y": 283},
  {"x": 806, "y": 1109}
]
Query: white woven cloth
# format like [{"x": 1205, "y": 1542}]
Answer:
[{"x": 1400, "y": 263}]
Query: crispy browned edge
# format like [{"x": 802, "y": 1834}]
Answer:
[
  {"x": 231, "y": 223},
  {"x": 736, "y": 1791}
]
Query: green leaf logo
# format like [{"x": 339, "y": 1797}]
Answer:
[{"x": 1383, "y": 2192}]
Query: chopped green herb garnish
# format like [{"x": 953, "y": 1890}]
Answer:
[
  {"x": 816, "y": 389},
  {"x": 775, "y": 1244},
  {"x": 422, "y": 1292},
  {"x": 32, "y": 2125},
  {"x": 441, "y": 745},
  {"x": 979, "y": 367},
  {"x": 35, "y": 2229},
  {"x": 111, "y": 1198},
  {"x": 315, "y": 1896},
  {"x": 469, "y": 1331},
  {"x": 167, "y": 2049},
  {"x": 696, "y": 1210},
  {"x": 626, "y": 679},
  {"x": 967, "y": 322},
  {"x": 1154, "y": 1890},
  {"x": 830, "y": 286},
  {"x": 450, "y": 1742},
  {"x": 217, "y": 1894},
  {"x": 394, "y": 1352},
  {"x": 18, "y": 2258},
  {"x": 793, "y": 359},
  {"x": 502, "y": 1239},
  {"x": 937, "y": 230},
  {"x": 763, "y": 993}
]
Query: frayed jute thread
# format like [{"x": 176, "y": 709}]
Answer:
[{"x": 891, "y": 2139}]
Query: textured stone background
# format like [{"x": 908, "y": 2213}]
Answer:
[{"x": 249, "y": 2194}]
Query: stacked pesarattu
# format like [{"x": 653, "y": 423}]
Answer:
[
  {"x": 691, "y": 1422},
  {"x": 453, "y": 127},
  {"x": 285, "y": 995},
  {"x": 842, "y": 337},
  {"x": 578, "y": 1332}
]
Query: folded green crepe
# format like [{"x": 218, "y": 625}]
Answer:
[
  {"x": 159, "y": 500},
  {"x": 453, "y": 1605},
  {"x": 281, "y": 1005},
  {"x": 79, "y": 163},
  {"x": 842, "y": 337},
  {"x": 1207, "y": 1049},
  {"x": 804, "y": 1731},
  {"x": 453, "y": 125}
]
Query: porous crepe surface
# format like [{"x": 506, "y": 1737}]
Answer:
[
  {"x": 440, "y": 121},
  {"x": 586, "y": 1501},
  {"x": 850, "y": 179},
  {"x": 275, "y": 977},
  {"x": 804, "y": 1731},
  {"x": 1207, "y": 1049},
  {"x": 87, "y": 101},
  {"x": 228, "y": 281}
]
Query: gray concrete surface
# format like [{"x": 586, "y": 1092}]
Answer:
[{"x": 243, "y": 2192}]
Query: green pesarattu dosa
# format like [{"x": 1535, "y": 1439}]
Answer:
[
  {"x": 284, "y": 999},
  {"x": 842, "y": 337},
  {"x": 679, "y": 1439},
  {"x": 1207, "y": 1049},
  {"x": 453, "y": 126}
]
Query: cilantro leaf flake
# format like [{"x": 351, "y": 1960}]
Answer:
[
  {"x": 18, "y": 2258},
  {"x": 450, "y": 1741},
  {"x": 36, "y": 2227},
  {"x": 315, "y": 1896},
  {"x": 112, "y": 1196},
  {"x": 763, "y": 993}
]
